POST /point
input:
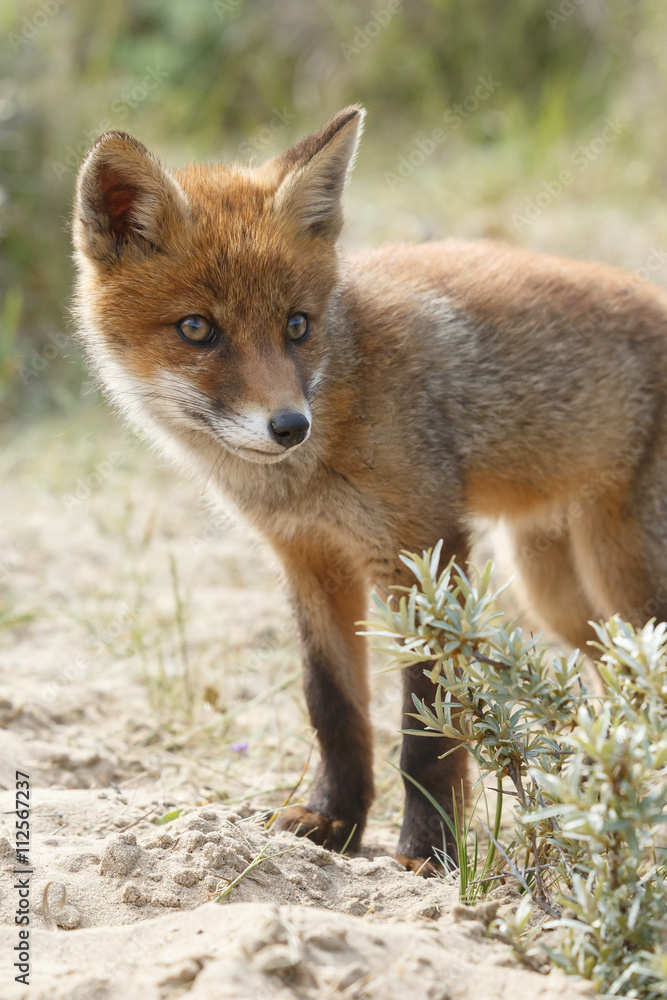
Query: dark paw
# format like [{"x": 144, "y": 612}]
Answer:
[
  {"x": 426, "y": 867},
  {"x": 331, "y": 833}
]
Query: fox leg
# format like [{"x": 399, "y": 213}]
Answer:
[
  {"x": 552, "y": 583},
  {"x": 444, "y": 778},
  {"x": 423, "y": 827},
  {"x": 622, "y": 554},
  {"x": 328, "y": 601}
]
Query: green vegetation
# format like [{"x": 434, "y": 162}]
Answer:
[
  {"x": 243, "y": 78},
  {"x": 588, "y": 773}
]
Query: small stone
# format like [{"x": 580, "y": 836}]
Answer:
[
  {"x": 68, "y": 917},
  {"x": 482, "y": 912},
  {"x": 126, "y": 838},
  {"x": 357, "y": 907},
  {"x": 191, "y": 840},
  {"x": 165, "y": 898},
  {"x": 197, "y": 823},
  {"x": 79, "y": 861},
  {"x": 389, "y": 864},
  {"x": 119, "y": 858},
  {"x": 186, "y": 877},
  {"x": 321, "y": 858},
  {"x": 162, "y": 841},
  {"x": 210, "y": 814},
  {"x": 215, "y": 857},
  {"x": 132, "y": 895},
  {"x": 213, "y": 884}
]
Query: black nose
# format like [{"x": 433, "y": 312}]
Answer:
[{"x": 289, "y": 427}]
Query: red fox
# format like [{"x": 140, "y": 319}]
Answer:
[{"x": 353, "y": 407}]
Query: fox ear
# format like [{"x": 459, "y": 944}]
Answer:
[
  {"x": 125, "y": 200},
  {"x": 315, "y": 171}
]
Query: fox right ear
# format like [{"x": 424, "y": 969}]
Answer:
[{"x": 125, "y": 200}]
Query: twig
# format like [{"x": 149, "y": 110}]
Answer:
[
  {"x": 542, "y": 903},
  {"x": 253, "y": 864},
  {"x": 135, "y": 821}
]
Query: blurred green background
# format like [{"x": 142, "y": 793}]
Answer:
[{"x": 476, "y": 110}]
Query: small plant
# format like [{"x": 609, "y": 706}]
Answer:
[{"x": 589, "y": 773}]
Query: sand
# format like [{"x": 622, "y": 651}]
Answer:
[
  {"x": 148, "y": 665},
  {"x": 123, "y": 907}
]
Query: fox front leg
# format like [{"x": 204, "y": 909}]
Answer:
[{"x": 328, "y": 600}]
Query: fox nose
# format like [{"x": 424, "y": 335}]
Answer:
[{"x": 289, "y": 427}]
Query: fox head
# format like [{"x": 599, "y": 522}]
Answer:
[{"x": 203, "y": 292}]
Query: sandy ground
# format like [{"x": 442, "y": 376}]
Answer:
[{"x": 148, "y": 665}]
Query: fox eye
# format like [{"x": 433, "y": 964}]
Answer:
[
  {"x": 196, "y": 330},
  {"x": 298, "y": 327}
]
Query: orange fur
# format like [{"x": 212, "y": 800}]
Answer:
[{"x": 437, "y": 383}]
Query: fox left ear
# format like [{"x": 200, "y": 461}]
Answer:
[{"x": 315, "y": 171}]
